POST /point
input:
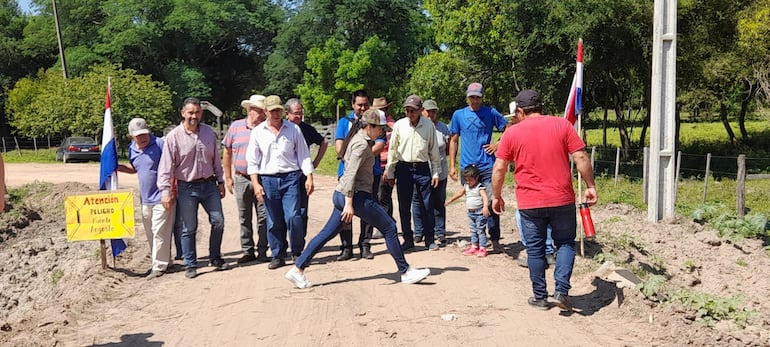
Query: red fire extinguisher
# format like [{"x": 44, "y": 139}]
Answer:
[{"x": 588, "y": 223}]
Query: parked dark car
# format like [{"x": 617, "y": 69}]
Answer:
[{"x": 78, "y": 148}]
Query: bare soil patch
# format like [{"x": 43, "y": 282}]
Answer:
[{"x": 54, "y": 293}]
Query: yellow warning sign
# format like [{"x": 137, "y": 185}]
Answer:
[{"x": 97, "y": 216}]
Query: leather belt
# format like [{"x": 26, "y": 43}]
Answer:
[
  {"x": 415, "y": 165},
  {"x": 206, "y": 179}
]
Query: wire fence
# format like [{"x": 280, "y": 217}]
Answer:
[{"x": 609, "y": 160}]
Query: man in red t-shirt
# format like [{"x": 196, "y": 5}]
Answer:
[{"x": 540, "y": 146}]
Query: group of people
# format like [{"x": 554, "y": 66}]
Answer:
[{"x": 267, "y": 166}]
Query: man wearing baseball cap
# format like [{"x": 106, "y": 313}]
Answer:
[
  {"x": 414, "y": 163},
  {"x": 144, "y": 154},
  {"x": 474, "y": 125},
  {"x": 542, "y": 144},
  {"x": 277, "y": 156},
  {"x": 238, "y": 183},
  {"x": 430, "y": 110}
]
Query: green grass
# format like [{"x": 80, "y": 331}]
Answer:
[
  {"x": 30, "y": 156},
  {"x": 56, "y": 275},
  {"x": 689, "y": 194},
  {"x": 328, "y": 165}
]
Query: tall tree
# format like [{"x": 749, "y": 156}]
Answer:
[
  {"x": 509, "y": 45},
  {"x": 398, "y": 24},
  {"x": 711, "y": 76}
]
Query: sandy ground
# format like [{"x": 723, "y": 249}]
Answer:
[{"x": 358, "y": 302}]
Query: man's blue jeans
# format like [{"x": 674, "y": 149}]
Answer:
[
  {"x": 189, "y": 195},
  {"x": 284, "y": 213},
  {"x": 535, "y": 223},
  {"x": 548, "y": 240},
  {"x": 370, "y": 211},
  {"x": 409, "y": 179},
  {"x": 493, "y": 221},
  {"x": 439, "y": 210}
]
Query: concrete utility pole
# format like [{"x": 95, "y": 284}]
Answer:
[{"x": 662, "y": 178}]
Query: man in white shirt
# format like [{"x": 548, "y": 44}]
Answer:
[{"x": 277, "y": 157}]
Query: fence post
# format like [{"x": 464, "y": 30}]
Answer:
[
  {"x": 4, "y": 150},
  {"x": 617, "y": 165},
  {"x": 49, "y": 141},
  {"x": 706, "y": 178},
  {"x": 645, "y": 168},
  {"x": 593, "y": 155},
  {"x": 740, "y": 186},
  {"x": 34, "y": 143},
  {"x": 17, "y": 145}
]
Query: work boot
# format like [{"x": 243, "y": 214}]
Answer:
[
  {"x": 366, "y": 253},
  {"x": 346, "y": 254}
]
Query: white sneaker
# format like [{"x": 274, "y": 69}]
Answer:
[
  {"x": 413, "y": 275},
  {"x": 297, "y": 278}
]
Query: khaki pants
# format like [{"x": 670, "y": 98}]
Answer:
[{"x": 158, "y": 225}]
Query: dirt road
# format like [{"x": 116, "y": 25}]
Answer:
[{"x": 467, "y": 301}]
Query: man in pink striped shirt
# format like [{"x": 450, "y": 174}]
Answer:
[
  {"x": 191, "y": 157},
  {"x": 238, "y": 183}
]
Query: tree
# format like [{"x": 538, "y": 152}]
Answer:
[
  {"x": 336, "y": 71},
  {"x": 709, "y": 68},
  {"x": 512, "y": 45},
  {"x": 753, "y": 31},
  {"x": 220, "y": 46},
  {"x": 399, "y": 24},
  {"x": 435, "y": 76},
  {"x": 49, "y": 105},
  {"x": 18, "y": 56}
]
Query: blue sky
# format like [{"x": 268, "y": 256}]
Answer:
[{"x": 24, "y": 4}]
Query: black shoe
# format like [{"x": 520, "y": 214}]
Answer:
[
  {"x": 346, "y": 254},
  {"x": 441, "y": 240},
  {"x": 276, "y": 263},
  {"x": 263, "y": 258},
  {"x": 246, "y": 258},
  {"x": 219, "y": 265},
  {"x": 407, "y": 246},
  {"x": 418, "y": 239},
  {"x": 550, "y": 259},
  {"x": 563, "y": 301},
  {"x": 190, "y": 272},
  {"x": 366, "y": 253},
  {"x": 540, "y": 304}
]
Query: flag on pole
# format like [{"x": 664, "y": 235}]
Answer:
[
  {"x": 108, "y": 176},
  {"x": 575, "y": 100}
]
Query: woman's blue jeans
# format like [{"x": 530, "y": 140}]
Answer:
[{"x": 370, "y": 211}]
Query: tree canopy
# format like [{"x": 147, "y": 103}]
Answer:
[
  {"x": 47, "y": 104},
  {"x": 321, "y": 50}
]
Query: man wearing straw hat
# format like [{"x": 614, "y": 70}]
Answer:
[
  {"x": 277, "y": 157},
  {"x": 239, "y": 183}
]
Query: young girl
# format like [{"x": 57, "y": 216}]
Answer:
[{"x": 478, "y": 210}]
